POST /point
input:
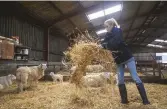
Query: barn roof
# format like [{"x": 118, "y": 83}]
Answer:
[{"x": 141, "y": 21}]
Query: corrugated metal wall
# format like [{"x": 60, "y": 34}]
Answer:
[
  {"x": 57, "y": 46},
  {"x": 30, "y": 35}
]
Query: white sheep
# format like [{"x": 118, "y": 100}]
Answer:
[
  {"x": 113, "y": 77},
  {"x": 89, "y": 68},
  {"x": 6, "y": 81},
  {"x": 97, "y": 80},
  {"x": 56, "y": 77},
  {"x": 94, "y": 68},
  {"x": 1, "y": 87},
  {"x": 29, "y": 74}
]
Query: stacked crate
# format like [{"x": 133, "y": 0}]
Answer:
[{"x": 6, "y": 48}]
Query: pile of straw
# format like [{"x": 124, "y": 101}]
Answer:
[{"x": 84, "y": 53}]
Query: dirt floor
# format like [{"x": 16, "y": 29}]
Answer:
[{"x": 65, "y": 96}]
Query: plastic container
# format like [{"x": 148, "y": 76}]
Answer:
[
  {"x": 25, "y": 51},
  {"x": 18, "y": 57}
]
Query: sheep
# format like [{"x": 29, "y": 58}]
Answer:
[
  {"x": 114, "y": 77},
  {"x": 98, "y": 80},
  {"x": 56, "y": 77},
  {"x": 89, "y": 68},
  {"x": 1, "y": 87},
  {"x": 29, "y": 74},
  {"x": 94, "y": 68},
  {"x": 6, "y": 81}
]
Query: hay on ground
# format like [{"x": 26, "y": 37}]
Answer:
[{"x": 64, "y": 96}]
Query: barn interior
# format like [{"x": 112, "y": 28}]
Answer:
[{"x": 35, "y": 32}]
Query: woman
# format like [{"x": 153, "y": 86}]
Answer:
[{"x": 113, "y": 41}]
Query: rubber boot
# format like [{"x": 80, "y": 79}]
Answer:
[
  {"x": 123, "y": 93},
  {"x": 142, "y": 92}
]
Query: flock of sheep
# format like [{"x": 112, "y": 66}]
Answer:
[
  {"x": 23, "y": 76},
  {"x": 31, "y": 75}
]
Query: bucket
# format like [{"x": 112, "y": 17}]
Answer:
[
  {"x": 18, "y": 57},
  {"x": 25, "y": 51}
]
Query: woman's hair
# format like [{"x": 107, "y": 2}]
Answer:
[{"x": 112, "y": 21}]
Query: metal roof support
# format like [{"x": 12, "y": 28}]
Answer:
[
  {"x": 19, "y": 11},
  {"x": 134, "y": 46},
  {"x": 123, "y": 21},
  {"x": 122, "y": 4},
  {"x": 135, "y": 16},
  {"x": 86, "y": 19},
  {"x": 77, "y": 12},
  {"x": 149, "y": 14},
  {"x": 74, "y": 13},
  {"x": 137, "y": 28},
  {"x": 155, "y": 36},
  {"x": 57, "y": 9}
]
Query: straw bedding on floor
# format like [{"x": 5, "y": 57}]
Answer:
[{"x": 65, "y": 96}]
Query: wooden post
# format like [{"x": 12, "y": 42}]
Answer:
[
  {"x": 153, "y": 65},
  {"x": 54, "y": 68},
  {"x": 145, "y": 67},
  {"x": 46, "y": 44},
  {"x": 159, "y": 70},
  {"x": 153, "y": 71},
  {"x": 141, "y": 69}
]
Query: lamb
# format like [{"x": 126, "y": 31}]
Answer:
[
  {"x": 89, "y": 68},
  {"x": 56, "y": 77},
  {"x": 98, "y": 80},
  {"x": 6, "y": 81},
  {"x": 29, "y": 74}
]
